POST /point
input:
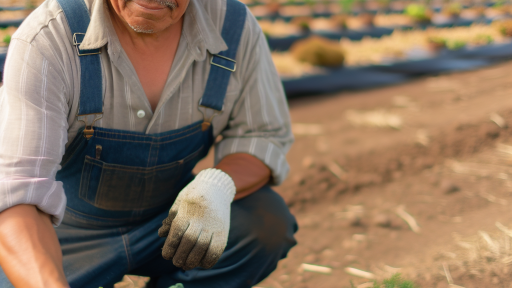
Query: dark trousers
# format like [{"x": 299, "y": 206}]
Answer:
[{"x": 261, "y": 233}]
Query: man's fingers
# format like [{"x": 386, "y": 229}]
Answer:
[
  {"x": 172, "y": 242},
  {"x": 167, "y": 222},
  {"x": 188, "y": 241},
  {"x": 172, "y": 214},
  {"x": 198, "y": 252},
  {"x": 215, "y": 250},
  {"x": 164, "y": 230}
]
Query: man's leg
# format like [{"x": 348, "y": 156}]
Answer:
[{"x": 261, "y": 234}]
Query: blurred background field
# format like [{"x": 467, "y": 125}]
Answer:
[
  {"x": 400, "y": 164},
  {"x": 318, "y": 46}
]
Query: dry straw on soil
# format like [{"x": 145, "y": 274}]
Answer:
[{"x": 485, "y": 256}]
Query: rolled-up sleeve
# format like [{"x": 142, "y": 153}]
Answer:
[
  {"x": 33, "y": 131},
  {"x": 260, "y": 121}
]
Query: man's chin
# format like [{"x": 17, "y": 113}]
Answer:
[
  {"x": 148, "y": 26},
  {"x": 142, "y": 29}
]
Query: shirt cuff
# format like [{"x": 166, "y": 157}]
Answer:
[
  {"x": 47, "y": 195},
  {"x": 264, "y": 149}
]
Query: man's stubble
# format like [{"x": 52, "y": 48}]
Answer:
[{"x": 171, "y": 4}]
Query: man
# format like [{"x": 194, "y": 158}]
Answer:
[{"x": 102, "y": 120}]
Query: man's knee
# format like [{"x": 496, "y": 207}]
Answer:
[{"x": 265, "y": 217}]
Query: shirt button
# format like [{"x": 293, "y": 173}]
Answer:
[{"x": 141, "y": 114}]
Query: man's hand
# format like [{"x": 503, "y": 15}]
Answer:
[{"x": 197, "y": 227}]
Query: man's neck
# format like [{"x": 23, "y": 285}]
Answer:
[
  {"x": 145, "y": 42},
  {"x": 151, "y": 54}
]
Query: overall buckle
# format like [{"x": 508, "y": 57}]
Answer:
[
  {"x": 207, "y": 120},
  {"x": 77, "y": 42},
  {"x": 89, "y": 128},
  {"x": 222, "y": 66}
]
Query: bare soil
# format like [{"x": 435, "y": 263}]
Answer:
[
  {"x": 428, "y": 147},
  {"x": 447, "y": 165}
]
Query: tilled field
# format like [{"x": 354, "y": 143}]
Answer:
[
  {"x": 438, "y": 149},
  {"x": 369, "y": 167}
]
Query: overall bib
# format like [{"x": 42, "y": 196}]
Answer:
[{"x": 120, "y": 185}]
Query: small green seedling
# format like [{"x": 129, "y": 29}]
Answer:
[
  {"x": 7, "y": 39},
  {"x": 346, "y": 5},
  {"x": 395, "y": 281},
  {"x": 179, "y": 285},
  {"x": 455, "y": 44},
  {"x": 483, "y": 39},
  {"x": 418, "y": 12}
]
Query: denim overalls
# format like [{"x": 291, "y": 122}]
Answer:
[{"x": 121, "y": 184}]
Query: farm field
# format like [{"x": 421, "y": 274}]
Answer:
[
  {"x": 429, "y": 148},
  {"x": 414, "y": 178}
]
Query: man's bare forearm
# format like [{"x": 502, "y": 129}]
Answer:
[
  {"x": 30, "y": 253},
  {"x": 248, "y": 172}
]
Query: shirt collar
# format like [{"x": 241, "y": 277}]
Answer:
[
  {"x": 96, "y": 35},
  {"x": 198, "y": 30}
]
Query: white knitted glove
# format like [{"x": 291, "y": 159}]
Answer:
[{"x": 197, "y": 227}]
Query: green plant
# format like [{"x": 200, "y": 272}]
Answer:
[
  {"x": 396, "y": 281},
  {"x": 455, "y": 44},
  {"x": 318, "y": 51},
  {"x": 482, "y": 39},
  {"x": 309, "y": 2},
  {"x": 7, "y": 39},
  {"x": 418, "y": 12},
  {"x": 453, "y": 9},
  {"x": 304, "y": 26},
  {"x": 346, "y": 5},
  {"x": 302, "y": 22},
  {"x": 499, "y": 3},
  {"x": 504, "y": 27},
  {"x": 436, "y": 43},
  {"x": 30, "y": 5}
]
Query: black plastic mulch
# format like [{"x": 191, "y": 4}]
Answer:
[{"x": 352, "y": 78}]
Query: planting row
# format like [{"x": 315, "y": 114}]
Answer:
[
  {"x": 315, "y": 55},
  {"x": 290, "y": 9},
  {"x": 282, "y": 34}
]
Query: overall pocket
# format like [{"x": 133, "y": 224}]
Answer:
[{"x": 122, "y": 188}]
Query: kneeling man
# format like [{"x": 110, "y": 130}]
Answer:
[{"x": 106, "y": 108}]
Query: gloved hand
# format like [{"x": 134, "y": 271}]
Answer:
[{"x": 198, "y": 223}]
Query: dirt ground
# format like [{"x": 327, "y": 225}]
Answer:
[
  {"x": 436, "y": 151},
  {"x": 428, "y": 148}
]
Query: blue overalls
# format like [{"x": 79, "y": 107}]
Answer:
[{"x": 120, "y": 185}]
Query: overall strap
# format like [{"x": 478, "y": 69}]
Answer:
[
  {"x": 91, "y": 86},
  {"x": 223, "y": 64}
]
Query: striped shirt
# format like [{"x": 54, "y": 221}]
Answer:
[{"x": 40, "y": 97}]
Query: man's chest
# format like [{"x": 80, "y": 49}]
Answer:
[
  {"x": 127, "y": 107},
  {"x": 152, "y": 76},
  {"x": 152, "y": 69}
]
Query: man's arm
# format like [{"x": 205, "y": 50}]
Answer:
[
  {"x": 259, "y": 123},
  {"x": 247, "y": 171},
  {"x": 30, "y": 253},
  {"x": 33, "y": 133}
]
